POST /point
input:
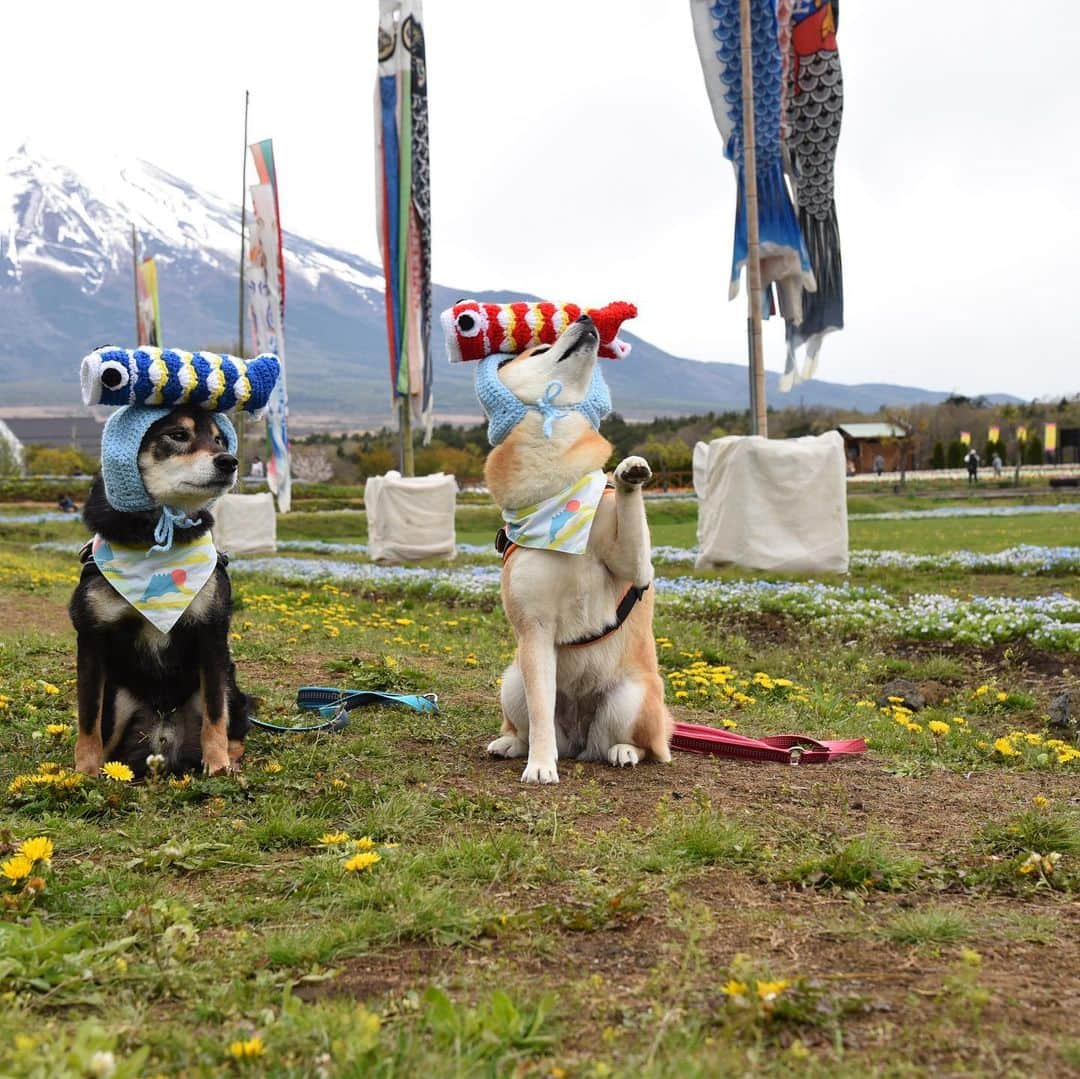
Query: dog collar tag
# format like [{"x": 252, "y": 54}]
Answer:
[
  {"x": 562, "y": 522},
  {"x": 160, "y": 585}
]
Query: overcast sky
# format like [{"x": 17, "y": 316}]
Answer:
[{"x": 574, "y": 156}]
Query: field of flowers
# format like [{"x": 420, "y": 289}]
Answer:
[{"x": 388, "y": 901}]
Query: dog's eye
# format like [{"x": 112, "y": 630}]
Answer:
[
  {"x": 181, "y": 434},
  {"x": 219, "y": 439},
  {"x": 541, "y": 350}
]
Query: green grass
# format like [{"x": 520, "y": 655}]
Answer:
[{"x": 585, "y": 930}]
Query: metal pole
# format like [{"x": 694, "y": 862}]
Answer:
[
  {"x": 135, "y": 271},
  {"x": 759, "y": 424},
  {"x": 241, "y": 423}
]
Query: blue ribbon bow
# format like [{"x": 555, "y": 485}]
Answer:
[
  {"x": 548, "y": 409},
  {"x": 170, "y": 520}
]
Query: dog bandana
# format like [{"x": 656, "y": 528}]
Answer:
[
  {"x": 160, "y": 585},
  {"x": 561, "y": 523}
]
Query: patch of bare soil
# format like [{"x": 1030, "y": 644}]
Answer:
[{"x": 30, "y": 614}]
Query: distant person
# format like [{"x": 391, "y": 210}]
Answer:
[
  {"x": 997, "y": 463},
  {"x": 851, "y": 466},
  {"x": 972, "y": 462},
  {"x": 66, "y": 503},
  {"x": 258, "y": 469},
  {"x": 879, "y": 465}
]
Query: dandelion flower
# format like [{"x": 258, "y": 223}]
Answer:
[
  {"x": 39, "y": 849},
  {"x": 365, "y": 842},
  {"x": 938, "y": 727},
  {"x": 359, "y": 863},
  {"x": 272, "y": 767},
  {"x": 734, "y": 988},
  {"x": 250, "y": 1049},
  {"x": 49, "y": 688},
  {"x": 114, "y": 770},
  {"x": 1002, "y": 696},
  {"x": 1040, "y": 801},
  {"x": 771, "y": 990},
  {"x": 17, "y": 868},
  {"x": 1005, "y": 747},
  {"x": 180, "y": 784},
  {"x": 57, "y": 730},
  {"x": 328, "y": 839}
]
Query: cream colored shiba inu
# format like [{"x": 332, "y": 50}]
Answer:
[{"x": 576, "y": 566}]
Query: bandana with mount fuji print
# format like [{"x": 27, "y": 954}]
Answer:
[
  {"x": 160, "y": 585},
  {"x": 562, "y": 522}
]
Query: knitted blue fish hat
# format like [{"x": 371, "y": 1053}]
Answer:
[
  {"x": 505, "y": 410},
  {"x": 124, "y": 488},
  {"x": 158, "y": 377}
]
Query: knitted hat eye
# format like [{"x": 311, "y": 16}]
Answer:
[
  {"x": 114, "y": 375},
  {"x": 468, "y": 324}
]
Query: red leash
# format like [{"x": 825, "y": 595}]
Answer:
[{"x": 779, "y": 748}]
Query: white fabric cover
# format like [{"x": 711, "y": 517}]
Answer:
[
  {"x": 772, "y": 504},
  {"x": 245, "y": 524},
  {"x": 410, "y": 518}
]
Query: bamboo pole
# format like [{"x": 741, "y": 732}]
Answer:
[
  {"x": 135, "y": 281},
  {"x": 759, "y": 423},
  {"x": 241, "y": 422}
]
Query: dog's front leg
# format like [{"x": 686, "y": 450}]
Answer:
[
  {"x": 629, "y": 555},
  {"x": 214, "y": 683},
  {"x": 536, "y": 658},
  {"x": 90, "y": 672}
]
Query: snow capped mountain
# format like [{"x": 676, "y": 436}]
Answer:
[
  {"x": 66, "y": 286},
  {"x": 80, "y": 222}
]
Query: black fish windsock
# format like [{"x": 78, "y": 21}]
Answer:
[
  {"x": 814, "y": 107},
  {"x": 165, "y": 377}
]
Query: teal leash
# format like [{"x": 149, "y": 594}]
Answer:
[{"x": 334, "y": 706}]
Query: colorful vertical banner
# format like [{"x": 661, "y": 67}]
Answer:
[
  {"x": 403, "y": 201},
  {"x": 146, "y": 285},
  {"x": 994, "y": 434},
  {"x": 1021, "y": 433},
  {"x": 798, "y": 105},
  {"x": 1050, "y": 437},
  {"x": 266, "y": 310},
  {"x": 965, "y": 437}
]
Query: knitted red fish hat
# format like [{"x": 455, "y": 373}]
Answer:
[{"x": 474, "y": 330}]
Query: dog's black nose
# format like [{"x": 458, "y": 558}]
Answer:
[
  {"x": 584, "y": 318},
  {"x": 225, "y": 462}
]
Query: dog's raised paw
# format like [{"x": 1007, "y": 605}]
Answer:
[
  {"x": 540, "y": 773},
  {"x": 622, "y": 754},
  {"x": 507, "y": 745},
  {"x": 633, "y": 471},
  {"x": 219, "y": 766}
]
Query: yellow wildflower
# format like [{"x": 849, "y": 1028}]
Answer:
[
  {"x": 365, "y": 842},
  {"x": 247, "y": 1050},
  {"x": 57, "y": 730},
  {"x": 1040, "y": 801},
  {"x": 358, "y": 863},
  {"x": 937, "y": 727},
  {"x": 895, "y": 700},
  {"x": 17, "y": 868},
  {"x": 865, "y": 704},
  {"x": 1005, "y": 747},
  {"x": 272, "y": 767},
  {"x": 328, "y": 839},
  {"x": 114, "y": 770},
  {"x": 180, "y": 784},
  {"x": 49, "y": 688},
  {"x": 1002, "y": 696},
  {"x": 734, "y": 988},
  {"x": 39, "y": 849},
  {"x": 771, "y": 990},
  {"x": 981, "y": 691}
]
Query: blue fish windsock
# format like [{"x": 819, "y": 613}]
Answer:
[{"x": 163, "y": 377}]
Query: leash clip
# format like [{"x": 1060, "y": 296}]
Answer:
[{"x": 794, "y": 753}]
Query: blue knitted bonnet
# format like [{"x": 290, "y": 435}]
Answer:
[
  {"x": 124, "y": 488},
  {"x": 505, "y": 410}
]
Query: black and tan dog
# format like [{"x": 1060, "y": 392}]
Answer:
[{"x": 143, "y": 692}]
